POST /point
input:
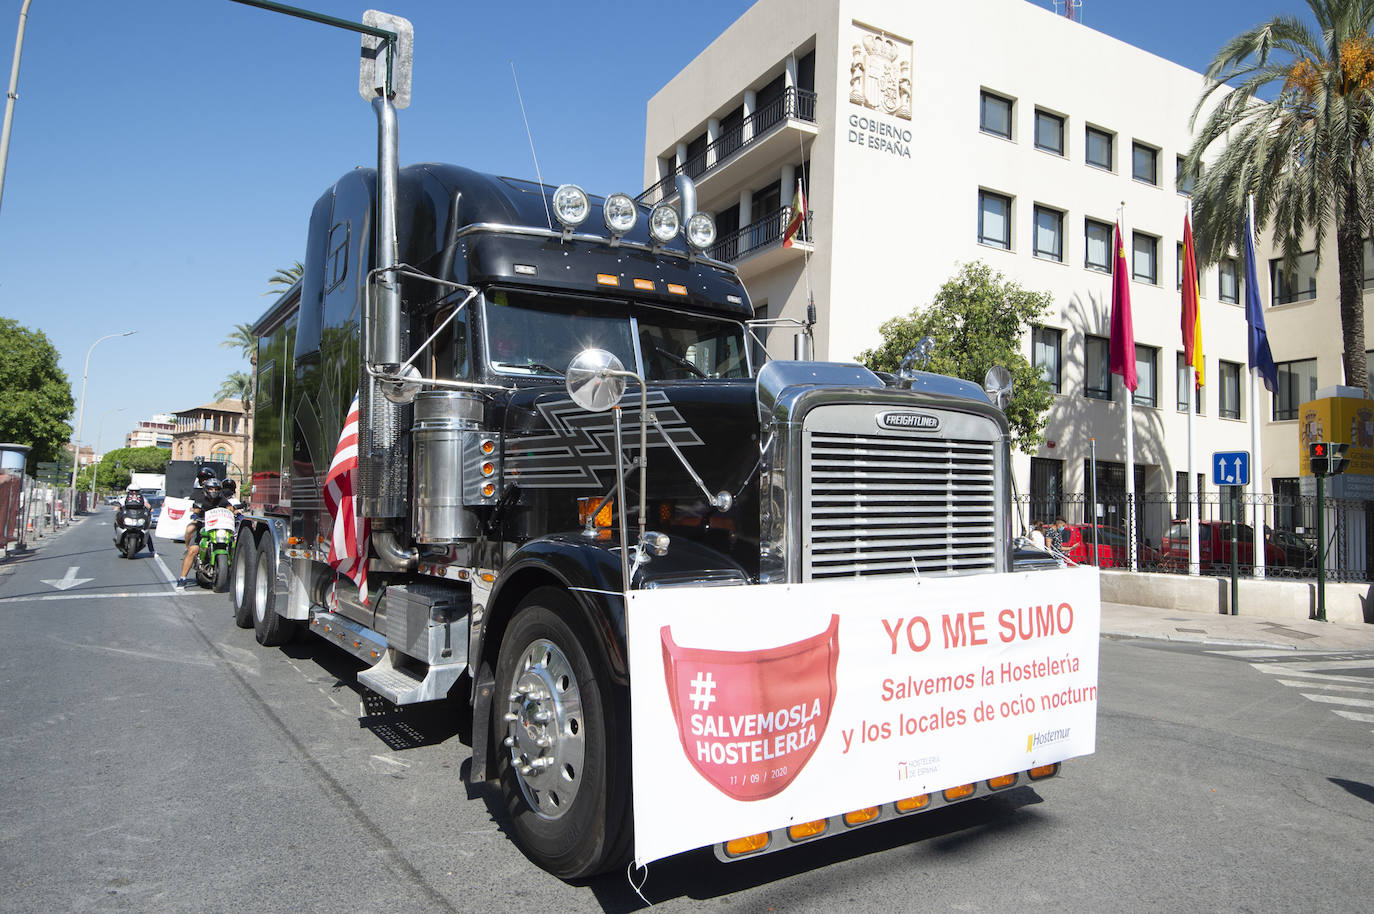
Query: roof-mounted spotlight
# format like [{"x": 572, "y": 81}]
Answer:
[
  {"x": 621, "y": 213},
  {"x": 570, "y": 207},
  {"x": 664, "y": 223},
  {"x": 701, "y": 231}
]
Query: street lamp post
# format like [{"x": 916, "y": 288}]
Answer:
[
  {"x": 99, "y": 434},
  {"x": 81, "y": 415},
  {"x": 13, "y": 94}
]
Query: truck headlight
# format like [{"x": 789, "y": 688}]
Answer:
[
  {"x": 570, "y": 205},
  {"x": 620, "y": 213},
  {"x": 701, "y": 231},
  {"x": 664, "y": 223}
]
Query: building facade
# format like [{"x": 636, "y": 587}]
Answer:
[
  {"x": 154, "y": 432},
  {"x": 928, "y": 136},
  {"x": 219, "y": 431}
]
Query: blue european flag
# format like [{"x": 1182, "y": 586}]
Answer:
[{"x": 1260, "y": 356}]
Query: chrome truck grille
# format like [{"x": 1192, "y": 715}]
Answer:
[{"x": 884, "y": 504}]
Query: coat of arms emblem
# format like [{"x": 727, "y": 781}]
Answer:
[{"x": 880, "y": 73}]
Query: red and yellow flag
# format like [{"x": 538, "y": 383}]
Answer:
[
  {"x": 1192, "y": 316},
  {"x": 798, "y": 217}
]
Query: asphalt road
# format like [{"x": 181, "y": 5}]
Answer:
[{"x": 154, "y": 758}]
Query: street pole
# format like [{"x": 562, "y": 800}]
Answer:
[
  {"x": 1235, "y": 549},
  {"x": 1321, "y": 550},
  {"x": 81, "y": 416},
  {"x": 13, "y": 95},
  {"x": 100, "y": 433}
]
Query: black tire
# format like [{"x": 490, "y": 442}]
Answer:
[
  {"x": 569, "y": 799},
  {"x": 242, "y": 578},
  {"x": 269, "y": 628},
  {"x": 221, "y": 582},
  {"x": 203, "y": 573}
]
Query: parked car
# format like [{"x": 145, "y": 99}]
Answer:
[
  {"x": 1214, "y": 546},
  {"x": 1112, "y": 548},
  {"x": 1301, "y": 551},
  {"x": 1026, "y": 556}
]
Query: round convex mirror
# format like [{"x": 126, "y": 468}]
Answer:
[
  {"x": 997, "y": 385},
  {"x": 593, "y": 380}
]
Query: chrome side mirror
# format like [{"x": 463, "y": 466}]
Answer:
[
  {"x": 596, "y": 380},
  {"x": 997, "y": 385}
]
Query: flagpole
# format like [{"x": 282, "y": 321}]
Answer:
[
  {"x": 1130, "y": 435},
  {"x": 1256, "y": 461},
  {"x": 1194, "y": 498}
]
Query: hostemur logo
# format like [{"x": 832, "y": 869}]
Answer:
[{"x": 1048, "y": 737}]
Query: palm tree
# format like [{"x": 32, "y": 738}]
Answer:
[
  {"x": 282, "y": 280},
  {"x": 242, "y": 339},
  {"x": 238, "y": 386},
  {"x": 1304, "y": 152}
]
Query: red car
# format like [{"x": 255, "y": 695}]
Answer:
[
  {"x": 1112, "y": 548},
  {"x": 1214, "y": 546}
]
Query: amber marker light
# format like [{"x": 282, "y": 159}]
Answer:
[
  {"x": 750, "y": 845},
  {"x": 488, "y": 447},
  {"x": 958, "y": 793},
  {"x": 1003, "y": 782},
  {"x": 911, "y": 804},
  {"x": 860, "y": 816},
  {"x": 644, "y": 285},
  {"x": 1040, "y": 772},
  {"x": 488, "y": 490},
  {"x": 585, "y": 507},
  {"x": 807, "y": 829},
  {"x": 607, "y": 279},
  {"x": 488, "y": 468},
  {"x": 676, "y": 288}
]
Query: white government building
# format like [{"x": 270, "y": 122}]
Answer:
[{"x": 931, "y": 135}]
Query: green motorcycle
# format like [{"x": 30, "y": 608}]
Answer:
[{"x": 216, "y": 546}]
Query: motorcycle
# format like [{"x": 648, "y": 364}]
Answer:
[
  {"x": 132, "y": 530},
  {"x": 216, "y": 546}
]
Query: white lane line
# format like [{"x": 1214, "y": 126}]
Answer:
[
  {"x": 1281, "y": 670},
  {"x": 108, "y": 596},
  {"x": 166, "y": 574},
  {"x": 1356, "y": 715},
  {"x": 1256, "y": 653},
  {"x": 1340, "y": 700},
  {"x": 1310, "y": 684}
]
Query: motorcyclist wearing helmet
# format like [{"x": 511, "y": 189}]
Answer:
[
  {"x": 133, "y": 499},
  {"x": 211, "y": 496}
]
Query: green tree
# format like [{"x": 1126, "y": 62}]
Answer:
[
  {"x": 977, "y": 319},
  {"x": 1304, "y": 153},
  {"x": 242, "y": 339},
  {"x": 36, "y": 403},
  {"x": 238, "y": 386},
  {"x": 115, "y": 467}
]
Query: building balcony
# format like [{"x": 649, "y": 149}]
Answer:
[
  {"x": 760, "y": 144},
  {"x": 757, "y": 247}
]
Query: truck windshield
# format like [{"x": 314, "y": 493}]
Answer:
[{"x": 540, "y": 335}]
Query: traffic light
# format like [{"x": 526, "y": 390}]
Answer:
[
  {"x": 1319, "y": 453},
  {"x": 1336, "y": 459}
]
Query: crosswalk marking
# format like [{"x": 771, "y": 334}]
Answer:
[
  {"x": 1314, "y": 684},
  {"x": 1323, "y": 677},
  {"x": 1357, "y": 715},
  {"x": 1338, "y": 700}
]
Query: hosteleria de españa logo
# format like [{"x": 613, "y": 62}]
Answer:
[{"x": 749, "y": 721}]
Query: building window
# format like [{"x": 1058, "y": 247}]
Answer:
[
  {"x": 1182, "y": 493},
  {"x": 1097, "y": 373},
  {"x": 994, "y": 219},
  {"x": 1297, "y": 385},
  {"x": 1046, "y": 489},
  {"x": 1049, "y": 132},
  {"x": 1046, "y": 352},
  {"x": 1229, "y": 397},
  {"x": 1049, "y": 233},
  {"x": 995, "y": 115},
  {"x": 1291, "y": 511},
  {"x": 1145, "y": 163},
  {"x": 1185, "y": 381},
  {"x": 1147, "y": 376},
  {"x": 1228, "y": 280},
  {"x": 1097, "y": 245},
  {"x": 1295, "y": 284},
  {"x": 1368, "y": 263},
  {"x": 1098, "y": 145},
  {"x": 1183, "y": 182},
  {"x": 1369, "y": 368},
  {"x": 1144, "y": 258}
]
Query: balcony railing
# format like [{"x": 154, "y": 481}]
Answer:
[
  {"x": 793, "y": 104},
  {"x": 759, "y": 234}
]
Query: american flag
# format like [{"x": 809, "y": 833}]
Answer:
[{"x": 348, "y": 543}]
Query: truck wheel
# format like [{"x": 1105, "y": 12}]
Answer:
[
  {"x": 242, "y": 579},
  {"x": 269, "y": 628},
  {"x": 562, "y": 748}
]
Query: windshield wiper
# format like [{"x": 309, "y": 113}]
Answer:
[
  {"x": 529, "y": 366},
  {"x": 679, "y": 361}
]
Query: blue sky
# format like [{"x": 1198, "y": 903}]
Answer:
[{"x": 166, "y": 153}]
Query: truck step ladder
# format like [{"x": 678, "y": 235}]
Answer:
[{"x": 404, "y": 687}]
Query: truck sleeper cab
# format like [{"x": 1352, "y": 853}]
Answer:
[{"x": 495, "y": 552}]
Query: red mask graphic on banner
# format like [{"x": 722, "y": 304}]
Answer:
[{"x": 749, "y": 721}]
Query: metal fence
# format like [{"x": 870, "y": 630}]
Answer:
[{"x": 1162, "y": 541}]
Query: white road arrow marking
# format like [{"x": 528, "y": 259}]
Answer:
[{"x": 69, "y": 580}]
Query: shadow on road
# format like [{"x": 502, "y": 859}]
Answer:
[{"x": 1355, "y": 788}]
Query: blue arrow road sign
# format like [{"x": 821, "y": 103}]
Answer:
[{"x": 1231, "y": 468}]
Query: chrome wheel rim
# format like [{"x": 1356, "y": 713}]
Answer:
[
  {"x": 260, "y": 585},
  {"x": 545, "y": 732}
]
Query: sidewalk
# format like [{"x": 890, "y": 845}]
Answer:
[{"x": 1121, "y": 620}]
